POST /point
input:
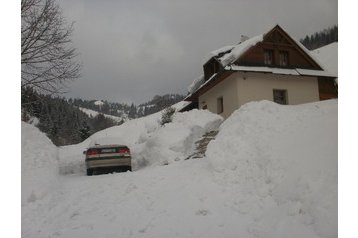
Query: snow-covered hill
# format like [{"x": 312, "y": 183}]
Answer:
[
  {"x": 328, "y": 57},
  {"x": 93, "y": 113},
  {"x": 271, "y": 172}
]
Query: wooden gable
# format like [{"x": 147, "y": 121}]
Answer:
[
  {"x": 278, "y": 41},
  {"x": 211, "y": 67}
]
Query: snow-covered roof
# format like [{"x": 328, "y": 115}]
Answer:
[
  {"x": 199, "y": 86},
  {"x": 229, "y": 54},
  {"x": 196, "y": 84},
  {"x": 217, "y": 52},
  {"x": 262, "y": 69},
  {"x": 239, "y": 50},
  {"x": 311, "y": 72},
  {"x": 296, "y": 71}
]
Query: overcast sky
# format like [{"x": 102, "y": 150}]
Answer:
[{"x": 132, "y": 50}]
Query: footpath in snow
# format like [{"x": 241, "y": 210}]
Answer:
[{"x": 270, "y": 172}]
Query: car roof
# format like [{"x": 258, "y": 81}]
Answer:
[{"x": 106, "y": 146}]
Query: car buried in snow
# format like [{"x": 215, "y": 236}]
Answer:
[{"x": 101, "y": 158}]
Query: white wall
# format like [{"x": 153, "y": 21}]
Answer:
[
  {"x": 259, "y": 86},
  {"x": 226, "y": 89},
  {"x": 240, "y": 88}
]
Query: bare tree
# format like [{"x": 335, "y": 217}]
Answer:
[{"x": 47, "y": 57}]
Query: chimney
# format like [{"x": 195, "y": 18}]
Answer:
[{"x": 244, "y": 38}]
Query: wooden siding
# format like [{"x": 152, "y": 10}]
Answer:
[
  {"x": 211, "y": 67},
  {"x": 327, "y": 88},
  {"x": 277, "y": 40}
]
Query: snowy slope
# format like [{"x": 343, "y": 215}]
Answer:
[
  {"x": 93, "y": 113},
  {"x": 98, "y": 103},
  {"x": 39, "y": 164},
  {"x": 271, "y": 172},
  {"x": 328, "y": 57}
]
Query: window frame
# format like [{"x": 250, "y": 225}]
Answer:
[
  {"x": 285, "y": 96},
  {"x": 283, "y": 58},
  {"x": 268, "y": 52}
]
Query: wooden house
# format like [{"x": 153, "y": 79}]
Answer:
[{"x": 272, "y": 66}]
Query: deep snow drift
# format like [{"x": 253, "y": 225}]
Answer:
[
  {"x": 39, "y": 164},
  {"x": 284, "y": 160},
  {"x": 270, "y": 172}
]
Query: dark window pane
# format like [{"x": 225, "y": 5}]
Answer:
[
  {"x": 220, "y": 105},
  {"x": 280, "y": 96},
  {"x": 268, "y": 57}
]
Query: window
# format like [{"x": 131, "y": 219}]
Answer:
[
  {"x": 268, "y": 57},
  {"x": 283, "y": 58},
  {"x": 280, "y": 96},
  {"x": 220, "y": 105}
]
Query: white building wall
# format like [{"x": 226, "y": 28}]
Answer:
[
  {"x": 240, "y": 88},
  {"x": 259, "y": 86},
  {"x": 226, "y": 89}
]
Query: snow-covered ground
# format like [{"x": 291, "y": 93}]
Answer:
[
  {"x": 93, "y": 113},
  {"x": 271, "y": 172}
]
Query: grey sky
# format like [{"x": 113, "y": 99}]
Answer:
[{"x": 134, "y": 49}]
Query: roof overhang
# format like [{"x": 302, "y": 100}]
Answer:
[
  {"x": 219, "y": 77},
  {"x": 284, "y": 71}
]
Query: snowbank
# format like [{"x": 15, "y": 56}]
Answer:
[
  {"x": 150, "y": 144},
  {"x": 175, "y": 141},
  {"x": 39, "y": 165},
  {"x": 281, "y": 163}
]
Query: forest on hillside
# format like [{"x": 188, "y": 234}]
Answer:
[
  {"x": 131, "y": 111},
  {"x": 321, "y": 38},
  {"x": 64, "y": 123}
]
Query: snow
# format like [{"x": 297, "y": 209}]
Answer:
[
  {"x": 196, "y": 84},
  {"x": 39, "y": 164},
  {"x": 215, "y": 53},
  {"x": 149, "y": 143},
  {"x": 98, "y": 103},
  {"x": 93, "y": 113},
  {"x": 328, "y": 57},
  {"x": 33, "y": 121},
  {"x": 281, "y": 162},
  {"x": 296, "y": 71},
  {"x": 270, "y": 172},
  {"x": 262, "y": 69},
  {"x": 311, "y": 72},
  {"x": 239, "y": 49}
]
